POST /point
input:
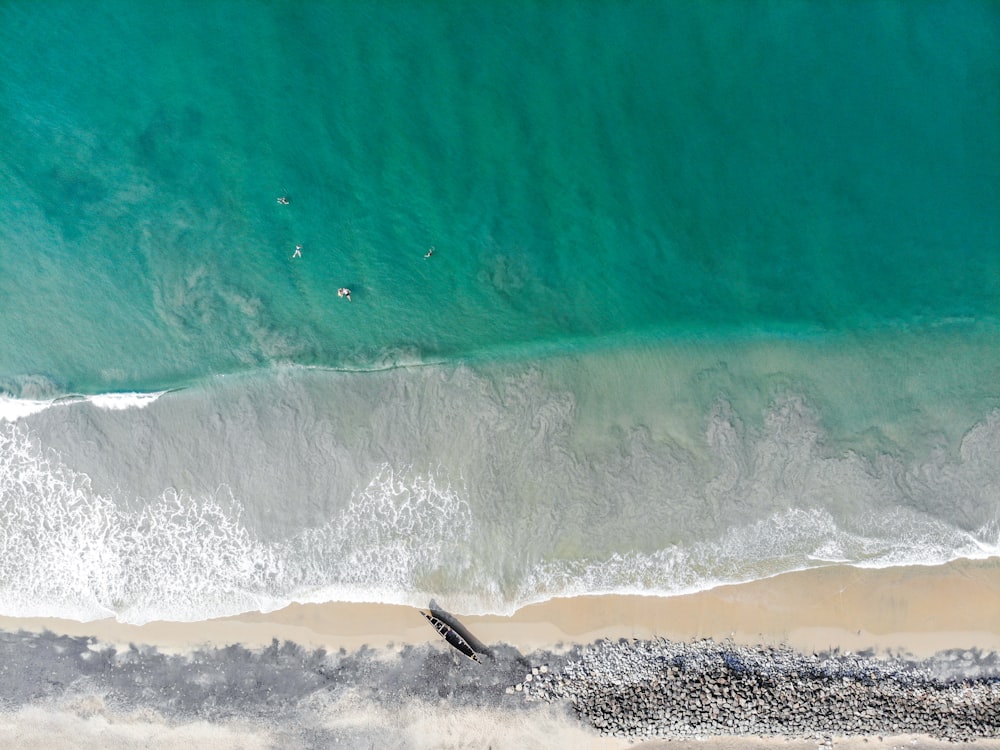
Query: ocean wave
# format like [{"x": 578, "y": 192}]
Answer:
[
  {"x": 788, "y": 541},
  {"x": 67, "y": 550},
  {"x": 486, "y": 490},
  {"x": 120, "y": 401},
  {"x": 13, "y": 409}
]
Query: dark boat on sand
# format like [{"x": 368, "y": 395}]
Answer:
[{"x": 448, "y": 633}]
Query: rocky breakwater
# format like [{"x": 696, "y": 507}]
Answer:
[{"x": 660, "y": 688}]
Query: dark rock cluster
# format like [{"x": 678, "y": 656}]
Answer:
[{"x": 659, "y": 688}]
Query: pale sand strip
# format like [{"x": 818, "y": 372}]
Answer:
[{"x": 919, "y": 610}]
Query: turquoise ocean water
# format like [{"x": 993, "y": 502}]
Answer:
[{"x": 715, "y": 294}]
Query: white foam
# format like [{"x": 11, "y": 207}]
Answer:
[
  {"x": 68, "y": 551},
  {"x": 788, "y": 541},
  {"x": 119, "y": 401},
  {"x": 12, "y": 409},
  {"x": 816, "y": 507},
  {"x": 404, "y": 536},
  {"x": 405, "y": 532}
]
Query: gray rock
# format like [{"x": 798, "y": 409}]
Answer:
[{"x": 665, "y": 689}]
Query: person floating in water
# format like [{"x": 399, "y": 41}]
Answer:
[
  {"x": 298, "y": 252},
  {"x": 344, "y": 292},
  {"x": 430, "y": 252},
  {"x": 283, "y": 200}
]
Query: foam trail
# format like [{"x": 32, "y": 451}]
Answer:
[
  {"x": 120, "y": 401},
  {"x": 68, "y": 551},
  {"x": 787, "y": 541},
  {"x": 316, "y": 513},
  {"x": 12, "y": 409}
]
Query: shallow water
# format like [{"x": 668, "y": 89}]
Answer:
[{"x": 713, "y": 296}]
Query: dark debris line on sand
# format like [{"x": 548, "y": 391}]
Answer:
[{"x": 659, "y": 688}]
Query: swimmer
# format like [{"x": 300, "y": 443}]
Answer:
[
  {"x": 344, "y": 292},
  {"x": 298, "y": 252},
  {"x": 283, "y": 200},
  {"x": 430, "y": 252}
]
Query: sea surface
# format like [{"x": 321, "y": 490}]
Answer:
[{"x": 714, "y": 294}]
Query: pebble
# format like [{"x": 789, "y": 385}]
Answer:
[{"x": 666, "y": 689}]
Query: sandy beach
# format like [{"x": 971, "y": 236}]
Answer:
[{"x": 912, "y": 611}]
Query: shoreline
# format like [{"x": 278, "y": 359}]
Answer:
[
  {"x": 915, "y": 611},
  {"x": 364, "y": 675}
]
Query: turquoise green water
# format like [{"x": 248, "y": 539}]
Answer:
[
  {"x": 714, "y": 294},
  {"x": 584, "y": 169}
]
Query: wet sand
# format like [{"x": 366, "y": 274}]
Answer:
[{"x": 909, "y": 610}]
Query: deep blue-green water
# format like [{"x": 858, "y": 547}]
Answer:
[{"x": 714, "y": 294}]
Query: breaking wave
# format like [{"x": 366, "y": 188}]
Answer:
[
  {"x": 13, "y": 409},
  {"x": 787, "y": 541},
  {"x": 69, "y": 551}
]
